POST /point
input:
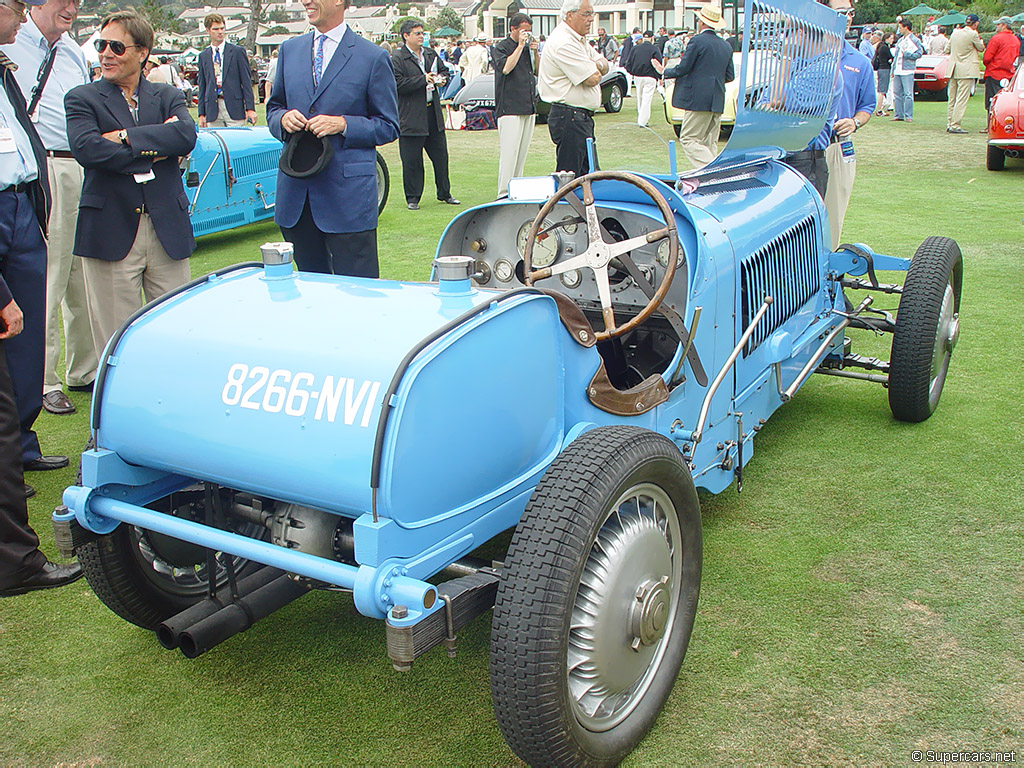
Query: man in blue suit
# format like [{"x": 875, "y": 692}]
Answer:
[
  {"x": 224, "y": 81},
  {"x": 702, "y": 72},
  {"x": 333, "y": 83}
]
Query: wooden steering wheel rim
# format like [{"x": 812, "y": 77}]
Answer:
[{"x": 530, "y": 275}]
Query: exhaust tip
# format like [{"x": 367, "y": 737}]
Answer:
[
  {"x": 188, "y": 646},
  {"x": 166, "y": 637}
]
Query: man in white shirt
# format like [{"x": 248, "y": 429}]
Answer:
[
  {"x": 225, "y": 81},
  {"x": 570, "y": 81},
  {"x": 45, "y": 35}
]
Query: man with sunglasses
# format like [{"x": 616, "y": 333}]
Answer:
[
  {"x": 24, "y": 204},
  {"x": 224, "y": 84},
  {"x": 134, "y": 233},
  {"x": 50, "y": 63}
]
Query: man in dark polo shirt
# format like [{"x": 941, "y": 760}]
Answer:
[{"x": 515, "y": 95}]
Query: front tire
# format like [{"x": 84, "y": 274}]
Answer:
[
  {"x": 597, "y": 599},
  {"x": 927, "y": 329},
  {"x": 614, "y": 103}
]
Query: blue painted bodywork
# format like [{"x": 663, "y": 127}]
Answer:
[
  {"x": 296, "y": 386},
  {"x": 234, "y": 171}
]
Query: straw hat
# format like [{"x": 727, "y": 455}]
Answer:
[{"x": 711, "y": 16}]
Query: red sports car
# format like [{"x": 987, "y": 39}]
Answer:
[
  {"x": 1006, "y": 123},
  {"x": 932, "y": 76}
]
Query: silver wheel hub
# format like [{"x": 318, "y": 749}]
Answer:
[
  {"x": 623, "y": 612},
  {"x": 947, "y": 333},
  {"x": 650, "y": 614}
]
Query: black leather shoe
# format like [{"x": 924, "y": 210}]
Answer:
[
  {"x": 57, "y": 403},
  {"x": 29, "y": 491},
  {"x": 413, "y": 206},
  {"x": 80, "y": 387},
  {"x": 46, "y": 463},
  {"x": 49, "y": 576},
  {"x": 451, "y": 201}
]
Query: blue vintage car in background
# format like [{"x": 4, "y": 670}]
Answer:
[
  {"x": 231, "y": 178},
  {"x": 592, "y": 352}
]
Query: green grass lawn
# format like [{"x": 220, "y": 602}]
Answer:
[{"x": 862, "y": 598}]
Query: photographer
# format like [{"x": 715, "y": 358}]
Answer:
[{"x": 515, "y": 89}]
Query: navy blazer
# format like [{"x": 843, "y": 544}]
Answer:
[
  {"x": 112, "y": 201},
  {"x": 702, "y": 72},
  {"x": 359, "y": 85},
  {"x": 236, "y": 83}
]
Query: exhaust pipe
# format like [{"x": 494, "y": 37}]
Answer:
[
  {"x": 169, "y": 631},
  {"x": 239, "y": 616}
]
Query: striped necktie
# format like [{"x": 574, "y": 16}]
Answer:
[{"x": 318, "y": 61}]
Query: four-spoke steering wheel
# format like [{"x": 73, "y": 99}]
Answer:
[{"x": 599, "y": 252}]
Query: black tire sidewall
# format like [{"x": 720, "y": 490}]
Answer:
[{"x": 624, "y": 737}]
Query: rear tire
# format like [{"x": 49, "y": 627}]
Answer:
[
  {"x": 927, "y": 329},
  {"x": 610, "y": 541},
  {"x": 383, "y": 183},
  {"x": 129, "y": 570},
  {"x": 614, "y": 103},
  {"x": 995, "y": 159},
  {"x": 942, "y": 95}
]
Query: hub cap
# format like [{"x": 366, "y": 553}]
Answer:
[
  {"x": 946, "y": 336},
  {"x": 624, "y": 609}
]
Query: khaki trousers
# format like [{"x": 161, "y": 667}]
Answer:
[
  {"x": 840, "y": 187},
  {"x": 115, "y": 288},
  {"x": 514, "y": 134},
  {"x": 959, "y": 95},
  {"x": 65, "y": 283},
  {"x": 698, "y": 136},
  {"x": 224, "y": 119}
]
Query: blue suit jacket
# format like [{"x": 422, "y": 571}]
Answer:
[
  {"x": 236, "y": 83},
  {"x": 108, "y": 213},
  {"x": 702, "y": 72},
  {"x": 359, "y": 85}
]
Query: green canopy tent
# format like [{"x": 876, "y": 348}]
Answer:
[
  {"x": 1019, "y": 18},
  {"x": 951, "y": 19},
  {"x": 921, "y": 10},
  {"x": 445, "y": 32}
]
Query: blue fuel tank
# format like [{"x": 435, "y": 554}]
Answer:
[{"x": 274, "y": 385}]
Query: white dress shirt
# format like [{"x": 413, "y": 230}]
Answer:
[
  {"x": 331, "y": 43},
  {"x": 70, "y": 70}
]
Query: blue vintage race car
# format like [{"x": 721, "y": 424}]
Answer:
[
  {"x": 231, "y": 178},
  {"x": 592, "y": 351}
]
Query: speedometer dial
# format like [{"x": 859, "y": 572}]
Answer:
[
  {"x": 545, "y": 248},
  {"x": 663, "y": 249}
]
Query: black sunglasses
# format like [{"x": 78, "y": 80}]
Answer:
[{"x": 116, "y": 46}]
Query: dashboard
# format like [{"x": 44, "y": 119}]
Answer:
[{"x": 496, "y": 236}]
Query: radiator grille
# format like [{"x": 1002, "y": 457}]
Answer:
[
  {"x": 260, "y": 162},
  {"x": 786, "y": 269}
]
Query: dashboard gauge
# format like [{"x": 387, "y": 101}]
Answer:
[
  {"x": 569, "y": 225},
  {"x": 546, "y": 247},
  {"x": 503, "y": 270},
  {"x": 572, "y": 278},
  {"x": 663, "y": 248}
]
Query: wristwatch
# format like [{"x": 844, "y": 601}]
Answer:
[
  {"x": 123, "y": 136},
  {"x": 858, "y": 124}
]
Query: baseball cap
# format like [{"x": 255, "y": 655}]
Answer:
[
  {"x": 972, "y": 17},
  {"x": 1004, "y": 20}
]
